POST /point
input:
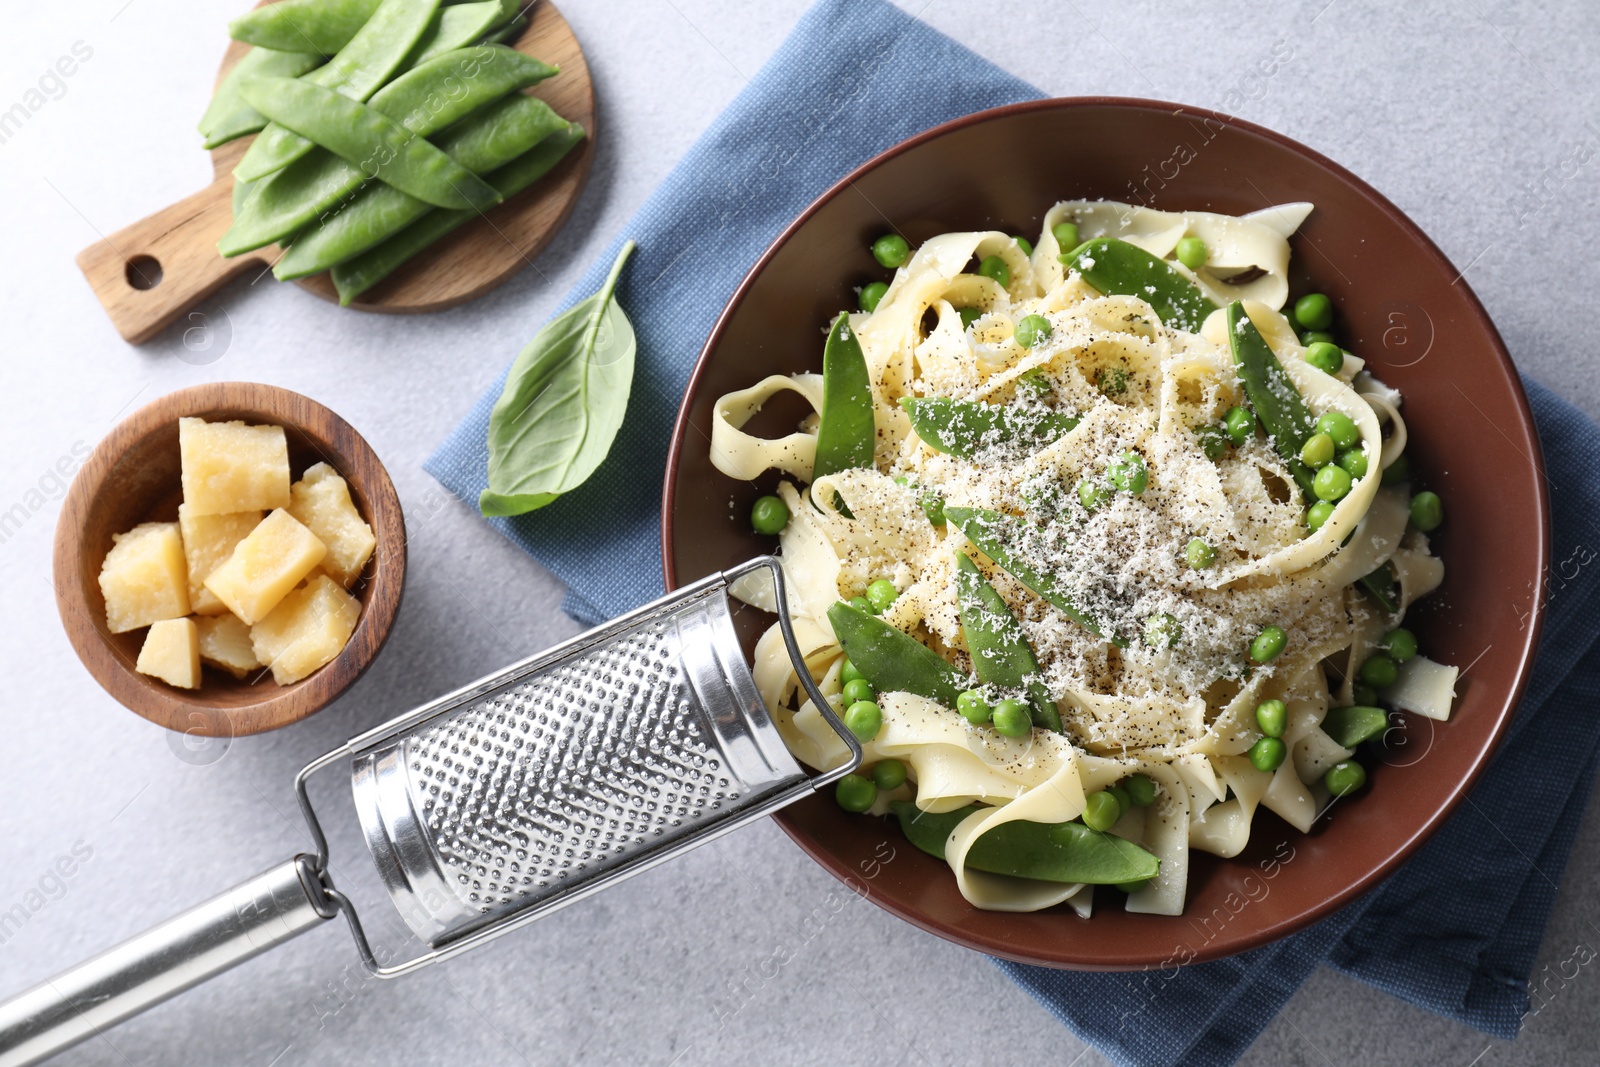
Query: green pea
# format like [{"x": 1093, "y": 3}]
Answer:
[
  {"x": 1129, "y": 473},
  {"x": 1311, "y": 337},
  {"x": 848, "y": 673},
  {"x": 933, "y": 507},
  {"x": 1111, "y": 381},
  {"x": 1024, "y": 244},
  {"x": 881, "y": 593},
  {"x": 1192, "y": 252},
  {"x": 1317, "y": 514},
  {"x": 1268, "y": 645},
  {"x": 1199, "y": 555},
  {"x": 861, "y": 603},
  {"x": 1093, "y": 495},
  {"x": 1318, "y": 451},
  {"x": 1400, "y": 643},
  {"x": 1327, "y": 358},
  {"x": 1141, "y": 789},
  {"x": 974, "y": 708},
  {"x": 769, "y": 515},
  {"x": 1124, "y": 801},
  {"x": 855, "y": 793},
  {"x": 995, "y": 267},
  {"x": 1427, "y": 511},
  {"x": 1273, "y": 717},
  {"x": 1331, "y": 483},
  {"x": 864, "y": 719},
  {"x": 969, "y": 316},
  {"x": 1239, "y": 424},
  {"x": 1162, "y": 631},
  {"x": 1364, "y": 694},
  {"x": 1339, "y": 426},
  {"x": 1031, "y": 330},
  {"x": 872, "y": 295},
  {"x": 1066, "y": 235},
  {"x": 1354, "y": 461},
  {"x": 891, "y": 250},
  {"x": 1133, "y": 887},
  {"x": 1214, "y": 441},
  {"x": 1101, "y": 811},
  {"x": 1012, "y": 718},
  {"x": 889, "y": 774},
  {"x": 1399, "y": 471},
  {"x": 1345, "y": 777},
  {"x": 1314, "y": 311},
  {"x": 1380, "y": 672},
  {"x": 857, "y": 691},
  {"x": 1268, "y": 753}
]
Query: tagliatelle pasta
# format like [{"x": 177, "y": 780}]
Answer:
[{"x": 1099, "y": 447}]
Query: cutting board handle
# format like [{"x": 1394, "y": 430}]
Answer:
[{"x": 148, "y": 274}]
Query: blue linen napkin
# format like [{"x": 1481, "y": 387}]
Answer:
[{"x": 1455, "y": 930}]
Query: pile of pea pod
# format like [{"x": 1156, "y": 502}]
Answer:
[{"x": 380, "y": 126}]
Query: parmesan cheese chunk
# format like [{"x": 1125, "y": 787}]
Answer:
[
  {"x": 269, "y": 562},
  {"x": 171, "y": 652},
  {"x": 144, "y": 577},
  {"x": 321, "y": 500},
  {"x": 231, "y": 466},
  {"x": 208, "y": 541},
  {"x": 225, "y": 643},
  {"x": 306, "y": 630}
]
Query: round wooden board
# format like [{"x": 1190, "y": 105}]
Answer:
[{"x": 484, "y": 253}]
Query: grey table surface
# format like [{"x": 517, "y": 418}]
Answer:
[{"x": 1475, "y": 118}]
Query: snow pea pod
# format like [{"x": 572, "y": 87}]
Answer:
[
  {"x": 488, "y": 140},
  {"x": 1352, "y": 725},
  {"x": 511, "y": 29},
  {"x": 1000, "y": 652},
  {"x": 228, "y": 116},
  {"x": 1273, "y": 396},
  {"x": 355, "y": 276},
  {"x": 371, "y": 140},
  {"x": 965, "y": 428},
  {"x": 891, "y": 659},
  {"x": 315, "y": 26},
  {"x": 846, "y": 432},
  {"x": 357, "y": 71},
  {"x": 1049, "y": 852},
  {"x": 986, "y": 529},
  {"x": 1118, "y": 268},
  {"x": 435, "y": 95},
  {"x": 456, "y": 27}
]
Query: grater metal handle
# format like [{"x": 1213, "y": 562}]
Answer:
[{"x": 261, "y": 913}]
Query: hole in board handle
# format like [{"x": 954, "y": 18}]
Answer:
[{"x": 143, "y": 272}]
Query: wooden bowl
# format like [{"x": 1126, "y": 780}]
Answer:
[
  {"x": 1403, "y": 307},
  {"x": 133, "y": 476}
]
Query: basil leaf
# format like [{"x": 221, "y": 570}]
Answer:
[{"x": 562, "y": 405}]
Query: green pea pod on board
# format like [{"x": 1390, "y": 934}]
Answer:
[
  {"x": 891, "y": 659},
  {"x": 371, "y": 140},
  {"x": 1000, "y": 652},
  {"x": 966, "y": 428},
  {"x": 358, "y": 70},
  {"x": 508, "y": 31},
  {"x": 433, "y": 96},
  {"x": 1354, "y": 724},
  {"x": 1048, "y": 852},
  {"x": 315, "y": 26},
  {"x": 228, "y": 116},
  {"x": 355, "y": 276},
  {"x": 490, "y": 139},
  {"x": 1273, "y": 395},
  {"x": 1118, "y": 268},
  {"x": 989, "y": 531},
  {"x": 456, "y": 27},
  {"x": 846, "y": 432},
  {"x": 563, "y": 403}
]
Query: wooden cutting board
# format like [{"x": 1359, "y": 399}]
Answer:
[{"x": 152, "y": 272}]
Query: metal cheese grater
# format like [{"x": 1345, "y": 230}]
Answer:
[{"x": 492, "y": 806}]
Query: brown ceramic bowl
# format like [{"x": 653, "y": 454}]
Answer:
[
  {"x": 133, "y": 476},
  {"x": 1403, "y": 308}
]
